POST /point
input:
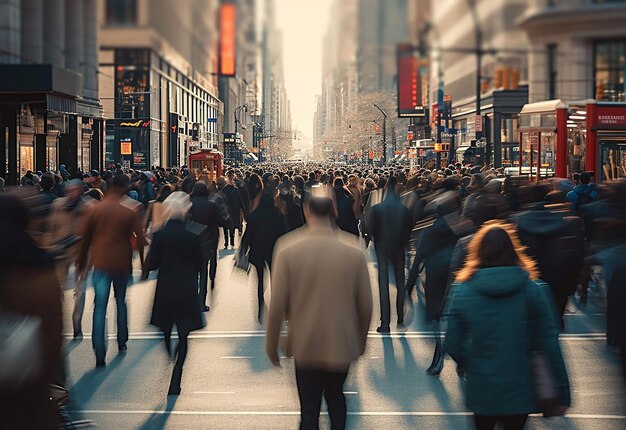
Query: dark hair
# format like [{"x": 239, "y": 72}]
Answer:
[
  {"x": 165, "y": 191},
  {"x": 199, "y": 190},
  {"x": 338, "y": 182},
  {"x": 497, "y": 249},
  {"x": 585, "y": 178},
  {"x": 320, "y": 206},
  {"x": 391, "y": 183},
  {"x": 255, "y": 186},
  {"x": 120, "y": 183},
  {"x": 47, "y": 181}
]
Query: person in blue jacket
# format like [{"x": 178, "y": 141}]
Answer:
[
  {"x": 498, "y": 318},
  {"x": 584, "y": 193}
]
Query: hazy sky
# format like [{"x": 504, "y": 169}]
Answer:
[{"x": 303, "y": 23}]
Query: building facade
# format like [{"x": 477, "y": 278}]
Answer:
[
  {"x": 158, "y": 65},
  {"x": 577, "y": 50},
  {"x": 50, "y": 113}
]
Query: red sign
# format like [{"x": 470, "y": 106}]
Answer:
[
  {"x": 533, "y": 138},
  {"x": 228, "y": 39},
  {"x": 610, "y": 115},
  {"x": 411, "y": 94}
]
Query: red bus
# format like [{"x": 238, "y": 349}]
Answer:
[{"x": 207, "y": 162}]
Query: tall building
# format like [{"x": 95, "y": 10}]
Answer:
[
  {"x": 577, "y": 49},
  {"x": 49, "y": 108},
  {"x": 381, "y": 25},
  {"x": 277, "y": 128},
  {"x": 458, "y": 26},
  {"x": 158, "y": 80},
  {"x": 242, "y": 89}
]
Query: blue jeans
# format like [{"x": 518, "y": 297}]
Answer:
[{"x": 102, "y": 287}]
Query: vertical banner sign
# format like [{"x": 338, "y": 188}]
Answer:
[
  {"x": 228, "y": 39},
  {"x": 411, "y": 75}
]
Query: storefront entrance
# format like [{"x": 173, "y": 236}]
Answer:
[{"x": 612, "y": 160}]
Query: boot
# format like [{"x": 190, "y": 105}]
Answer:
[
  {"x": 437, "y": 364},
  {"x": 177, "y": 376}
]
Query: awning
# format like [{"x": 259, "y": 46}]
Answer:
[{"x": 543, "y": 107}]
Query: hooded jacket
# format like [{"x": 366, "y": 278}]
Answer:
[{"x": 489, "y": 332}]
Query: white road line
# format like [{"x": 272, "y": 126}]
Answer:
[
  {"x": 352, "y": 413},
  {"x": 237, "y": 357},
  {"x": 406, "y": 335},
  {"x": 350, "y": 392}
]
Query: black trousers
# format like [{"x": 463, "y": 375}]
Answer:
[
  {"x": 260, "y": 270},
  {"x": 229, "y": 233},
  {"x": 509, "y": 422},
  {"x": 312, "y": 384},
  {"x": 396, "y": 258}
]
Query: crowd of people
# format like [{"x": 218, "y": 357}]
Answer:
[{"x": 498, "y": 257}]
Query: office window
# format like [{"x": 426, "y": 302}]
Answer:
[
  {"x": 552, "y": 70},
  {"x": 121, "y": 12},
  {"x": 609, "y": 64}
]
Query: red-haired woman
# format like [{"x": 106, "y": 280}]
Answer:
[{"x": 499, "y": 317}]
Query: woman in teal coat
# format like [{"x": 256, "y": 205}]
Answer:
[{"x": 498, "y": 316}]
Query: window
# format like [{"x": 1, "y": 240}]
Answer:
[
  {"x": 552, "y": 71},
  {"x": 121, "y": 12},
  {"x": 609, "y": 67}
]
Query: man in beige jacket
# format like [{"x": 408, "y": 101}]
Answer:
[{"x": 321, "y": 286}]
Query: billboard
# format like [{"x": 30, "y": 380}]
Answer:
[
  {"x": 228, "y": 39},
  {"x": 412, "y": 82}
]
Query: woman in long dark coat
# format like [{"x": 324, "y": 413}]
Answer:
[
  {"x": 177, "y": 253},
  {"x": 265, "y": 226}
]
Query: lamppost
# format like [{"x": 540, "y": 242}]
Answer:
[
  {"x": 384, "y": 133},
  {"x": 243, "y": 107}
]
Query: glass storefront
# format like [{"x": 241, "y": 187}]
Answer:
[
  {"x": 613, "y": 160},
  {"x": 609, "y": 66}
]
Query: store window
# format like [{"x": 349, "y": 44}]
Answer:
[
  {"x": 609, "y": 64},
  {"x": 121, "y": 12}
]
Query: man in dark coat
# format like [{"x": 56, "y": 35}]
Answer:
[
  {"x": 346, "y": 219},
  {"x": 390, "y": 226},
  {"x": 556, "y": 241},
  {"x": 177, "y": 253},
  {"x": 206, "y": 213},
  {"x": 234, "y": 204}
]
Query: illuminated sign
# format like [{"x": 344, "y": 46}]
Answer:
[
  {"x": 138, "y": 123},
  {"x": 412, "y": 83},
  {"x": 228, "y": 39},
  {"x": 126, "y": 146}
]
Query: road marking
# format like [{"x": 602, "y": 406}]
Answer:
[
  {"x": 406, "y": 335},
  {"x": 350, "y": 392},
  {"x": 352, "y": 413}
]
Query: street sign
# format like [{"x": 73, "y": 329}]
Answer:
[
  {"x": 479, "y": 123},
  {"x": 212, "y": 120}
]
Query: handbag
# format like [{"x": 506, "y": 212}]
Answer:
[
  {"x": 546, "y": 391},
  {"x": 21, "y": 349},
  {"x": 242, "y": 260}
]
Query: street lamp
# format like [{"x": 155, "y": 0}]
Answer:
[
  {"x": 384, "y": 132},
  {"x": 243, "y": 107}
]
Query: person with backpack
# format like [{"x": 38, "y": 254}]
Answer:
[{"x": 584, "y": 193}]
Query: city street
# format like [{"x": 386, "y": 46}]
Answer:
[{"x": 229, "y": 383}]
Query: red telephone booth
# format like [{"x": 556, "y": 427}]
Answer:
[{"x": 207, "y": 162}]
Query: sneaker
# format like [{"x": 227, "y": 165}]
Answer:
[
  {"x": 383, "y": 330},
  {"x": 123, "y": 348}
]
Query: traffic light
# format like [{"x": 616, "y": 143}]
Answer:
[{"x": 438, "y": 147}]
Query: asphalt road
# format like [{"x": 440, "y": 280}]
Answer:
[{"x": 228, "y": 383}]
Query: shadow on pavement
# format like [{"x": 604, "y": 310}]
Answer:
[{"x": 158, "y": 419}]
